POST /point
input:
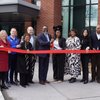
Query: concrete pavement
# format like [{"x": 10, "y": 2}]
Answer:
[
  {"x": 1, "y": 96},
  {"x": 54, "y": 91}
]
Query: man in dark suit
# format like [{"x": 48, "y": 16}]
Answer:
[
  {"x": 43, "y": 44},
  {"x": 95, "y": 43}
]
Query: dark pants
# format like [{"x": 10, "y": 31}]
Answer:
[
  {"x": 3, "y": 77},
  {"x": 85, "y": 61},
  {"x": 13, "y": 64},
  {"x": 95, "y": 60},
  {"x": 30, "y": 77},
  {"x": 23, "y": 79},
  {"x": 8, "y": 76},
  {"x": 43, "y": 68},
  {"x": 31, "y": 71},
  {"x": 58, "y": 66}
]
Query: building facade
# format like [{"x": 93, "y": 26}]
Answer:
[{"x": 76, "y": 14}]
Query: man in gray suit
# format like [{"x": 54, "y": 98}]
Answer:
[{"x": 33, "y": 39}]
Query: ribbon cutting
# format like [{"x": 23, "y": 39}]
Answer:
[{"x": 50, "y": 51}]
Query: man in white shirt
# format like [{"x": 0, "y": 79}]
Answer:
[{"x": 33, "y": 39}]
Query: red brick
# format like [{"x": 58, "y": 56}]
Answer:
[{"x": 50, "y": 14}]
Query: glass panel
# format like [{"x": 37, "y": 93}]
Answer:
[
  {"x": 87, "y": 16},
  {"x": 87, "y": 1},
  {"x": 65, "y": 2},
  {"x": 94, "y": 1},
  {"x": 94, "y": 15},
  {"x": 72, "y": 2},
  {"x": 65, "y": 14},
  {"x": 71, "y": 20}
]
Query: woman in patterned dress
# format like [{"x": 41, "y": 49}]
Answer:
[
  {"x": 25, "y": 62},
  {"x": 73, "y": 60}
]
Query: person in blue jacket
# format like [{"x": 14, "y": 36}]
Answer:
[{"x": 14, "y": 43}]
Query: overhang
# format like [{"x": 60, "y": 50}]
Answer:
[{"x": 17, "y": 10}]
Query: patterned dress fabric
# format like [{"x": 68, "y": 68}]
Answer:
[{"x": 73, "y": 62}]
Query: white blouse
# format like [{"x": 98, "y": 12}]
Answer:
[{"x": 56, "y": 45}]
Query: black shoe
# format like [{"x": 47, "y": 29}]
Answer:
[
  {"x": 86, "y": 81},
  {"x": 92, "y": 80},
  {"x": 4, "y": 87},
  {"x": 42, "y": 82},
  {"x": 31, "y": 82},
  {"x": 72, "y": 80},
  {"x": 17, "y": 81},
  {"x": 47, "y": 82},
  {"x": 82, "y": 80},
  {"x": 24, "y": 86},
  {"x": 14, "y": 83},
  {"x": 98, "y": 81},
  {"x": 27, "y": 84}
]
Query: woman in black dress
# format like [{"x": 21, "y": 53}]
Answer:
[
  {"x": 85, "y": 45},
  {"x": 25, "y": 61},
  {"x": 59, "y": 59}
]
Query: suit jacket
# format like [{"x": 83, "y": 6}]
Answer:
[
  {"x": 43, "y": 44},
  {"x": 85, "y": 42},
  {"x": 62, "y": 43},
  {"x": 35, "y": 42},
  {"x": 95, "y": 43}
]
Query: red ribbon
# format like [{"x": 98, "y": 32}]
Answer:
[{"x": 50, "y": 51}]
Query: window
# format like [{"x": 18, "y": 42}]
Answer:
[
  {"x": 37, "y": 2},
  {"x": 91, "y": 14},
  {"x": 79, "y": 14}
]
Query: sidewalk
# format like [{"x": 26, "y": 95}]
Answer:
[
  {"x": 55, "y": 91},
  {"x": 1, "y": 96}
]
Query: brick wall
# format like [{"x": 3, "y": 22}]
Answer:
[{"x": 50, "y": 14}]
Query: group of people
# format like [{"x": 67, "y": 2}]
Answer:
[{"x": 12, "y": 63}]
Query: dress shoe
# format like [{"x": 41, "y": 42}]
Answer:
[
  {"x": 47, "y": 82},
  {"x": 4, "y": 87},
  {"x": 8, "y": 84},
  {"x": 82, "y": 80},
  {"x": 31, "y": 82},
  {"x": 72, "y": 80},
  {"x": 14, "y": 83},
  {"x": 42, "y": 82},
  {"x": 17, "y": 81},
  {"x": 86, "y": 81},
  {"x": 92, "y": 80},
  {"x": 24, "y": 86},
  {"x": 98, "y": 81},
  {"x": 27, "y": 84}
]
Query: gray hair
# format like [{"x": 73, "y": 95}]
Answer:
[{"x": 2, "y": 32}]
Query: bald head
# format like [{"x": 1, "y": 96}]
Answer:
[
  {"x": 30, "y": 30},
  {"x": 45, "y": 29},
  {"x": 98, "y": 29}
]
